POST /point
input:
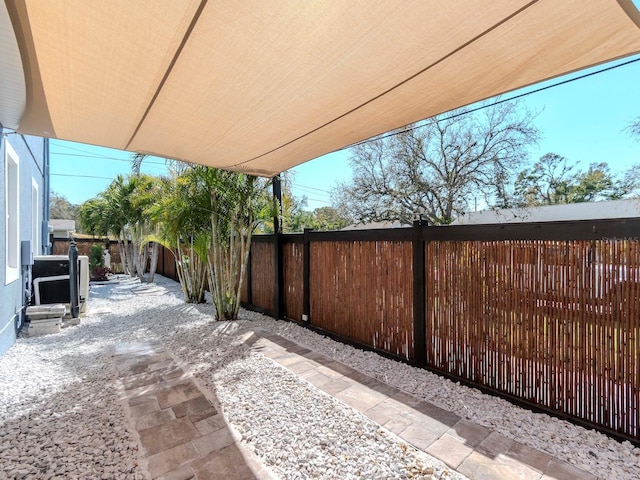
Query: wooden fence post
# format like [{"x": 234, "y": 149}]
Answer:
[
  {"x": 419, "y": 316},
  {"x": 278, "y": 276},
  {"x": 306, "y": 265},
  {"x": 277, "y": 247}
]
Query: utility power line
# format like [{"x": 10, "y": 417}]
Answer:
[
  {"x": 326, "y": 202},
  {"x": 497, "y": 102},
  {"x": 312, "y": 188},
  {"x": 309, "y": 192},
  {"x": 79, "y": 176},
  {"x": 146, "y": 162}
]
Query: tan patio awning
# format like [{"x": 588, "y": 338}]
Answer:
[{"x": 262, "y": 85}]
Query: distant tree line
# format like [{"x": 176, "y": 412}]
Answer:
[
  {"x": 60, "y": 208},
  {"x": 552, "y": 180},
  {"x": 442, "y": 167}
]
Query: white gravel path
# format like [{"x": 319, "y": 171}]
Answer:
[{"x": 60, "y": 416}]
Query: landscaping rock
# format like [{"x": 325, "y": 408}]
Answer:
[{"x": 59, "y": 397}]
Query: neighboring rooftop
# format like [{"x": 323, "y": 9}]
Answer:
[
  {"x": 375, "y": 225},
  {"x": 62, "y": 228},
  {"x": 629, "y": 208}
]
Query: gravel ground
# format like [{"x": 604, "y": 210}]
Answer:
[{"x": 60, "y": 416}]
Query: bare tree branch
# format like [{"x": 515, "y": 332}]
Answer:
[{"x": 439, "y": 168}]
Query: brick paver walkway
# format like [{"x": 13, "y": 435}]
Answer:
[
  {"x": 181, "y": 431},
  {"x": 184, "y": 436}
]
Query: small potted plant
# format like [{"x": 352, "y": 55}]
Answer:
[{"x": 99, "y": 272}]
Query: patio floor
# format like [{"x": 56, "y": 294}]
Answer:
[{"x": 184, "y": 435}]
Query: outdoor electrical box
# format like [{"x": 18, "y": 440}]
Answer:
[
  {"x": 26, "y": 253},
  {"x": 46, "y": 239},
  {"x": 50, "y": 275}
]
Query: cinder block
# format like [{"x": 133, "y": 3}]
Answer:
[
  {"x": 47, "y": 322},
  {"x": 36, "y": 331},
  {"x": 37, "y": 312}
]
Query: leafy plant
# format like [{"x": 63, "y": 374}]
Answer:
[
  {"x": 100, "y": 273},
  {"x": 96, "y": 258}
]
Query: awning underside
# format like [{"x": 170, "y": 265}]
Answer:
[{"x": 260, "y": 86}]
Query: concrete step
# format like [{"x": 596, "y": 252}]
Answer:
[
  {"x": 46, "y": 322},
  {"x": 38, "y": 312},
  {"x": 37, "y": 330}
]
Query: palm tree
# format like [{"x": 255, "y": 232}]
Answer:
[
  {"x": 237, "y": 204},
  {"x": 182, "y": 228},
  {"x": 107, "y": 215},
  {"x": 146, "y": 191},
  {"x": 119, "y": 211},
  {"x": 204, "y": 216}
]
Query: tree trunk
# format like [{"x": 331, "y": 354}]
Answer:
[
  {"x": 154, "y": 261},
  {"x": 123, "y": 256}
]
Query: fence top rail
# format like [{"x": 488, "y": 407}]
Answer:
[
  {"x": 87, "y": 240},
  {"x": 262, "y": 238},
  {"x": 389, "y": 234},
  {"x": 608, "y": 230},
  {"x": 284, "y": 238},
  {"x": 292, "y": 238}
]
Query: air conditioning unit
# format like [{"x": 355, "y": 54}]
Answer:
[{"x": 50, "y": 276}]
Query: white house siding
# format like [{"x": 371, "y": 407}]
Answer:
[
  {"x": 629, "y": 208},
  {"x": 32, "y": 153}
]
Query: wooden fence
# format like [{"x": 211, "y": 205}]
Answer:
[
  {"x": 60, "y": 246},
  {"x": 166, "y": 263},
  {"x": 546, "y": 315}
]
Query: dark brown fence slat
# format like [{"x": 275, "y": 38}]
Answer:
[{"x": 419, "y": 297}]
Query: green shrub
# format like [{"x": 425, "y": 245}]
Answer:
[{"x": 96, "y": 257}]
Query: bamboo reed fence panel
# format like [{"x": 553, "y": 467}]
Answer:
[
  {"x": 363, "y": 290},
  {"x": 262, "y": 275},
  {"x": 167, "y": 264},
  {"x": 61, "y": 247},
  {"x": 292, "y": 254},
  {"x": 114, "y": 252},
  {"x": 554, "y": 323}
]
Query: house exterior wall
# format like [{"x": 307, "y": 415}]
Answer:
[
  {"x": 627, "y": 208},
  {"x": 33, "y": 185}
]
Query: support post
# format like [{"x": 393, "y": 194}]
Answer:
[
  {"x": 277, "y": 247},
  {"x": 73, "y": 279},
  {"x": 419, "y": 315},
  {"x": 277, "y": 198},
  {"x": 306, "y": 267}
]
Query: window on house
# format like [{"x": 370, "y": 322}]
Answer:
[
  {"x": 12, "y": 199},
  {"x": 35, "y": 218}
]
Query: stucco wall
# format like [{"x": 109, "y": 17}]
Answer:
[{"x": 31, "y": 153}]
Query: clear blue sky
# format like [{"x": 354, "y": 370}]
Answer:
[{"x": 582, "y": 120}]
